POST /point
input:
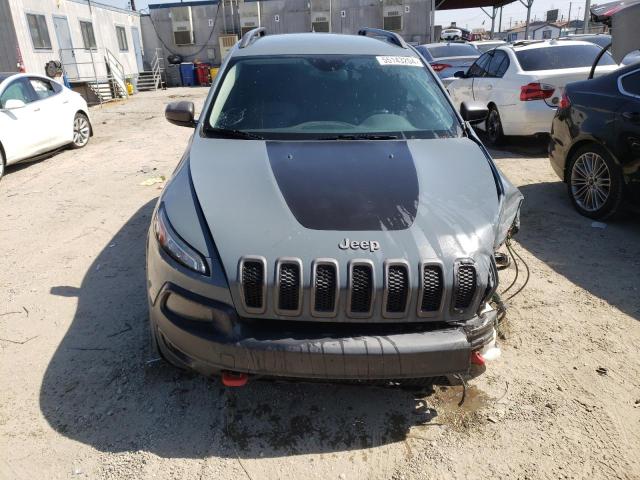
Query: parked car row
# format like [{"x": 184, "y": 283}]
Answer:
[
  {"x": 533, "y": 88},
  {"x": 522, "y": 83}
]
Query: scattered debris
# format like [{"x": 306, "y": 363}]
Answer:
[
  {"x": 598, "y": 225},
  {"x": 492, "y": 420},
  {"x": 18, "y": 342},
  {"x": 152, "y": 181},
  {"x": 602, "y": 370},
  {"x": 126, "y": 329},
  {"x": 8, "y": 313}
]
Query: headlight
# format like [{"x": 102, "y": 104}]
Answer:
[{"x": 175, "y": 247}]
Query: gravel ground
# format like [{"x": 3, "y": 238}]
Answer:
[{"x": 82, "y": 395}]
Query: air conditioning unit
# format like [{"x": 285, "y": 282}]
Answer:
[
  {"x": 247, "y": 25},
  {"x": 392, "y": 20},
  {"x": 226, "y": 43},
  {"x": 182, "y": 25},
  {"x": 392, "y": 15}
]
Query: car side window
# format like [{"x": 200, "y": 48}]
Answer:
[
  {"x": 499, "y": 64},
  {"x": 17, "y": 90},
  {"x": 479, "y": 68},
  {"x": 631, "y": 83},
  {"x": 43, "y": 88}
]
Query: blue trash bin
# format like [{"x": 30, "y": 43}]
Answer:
[{"x": 187, "y": 74}]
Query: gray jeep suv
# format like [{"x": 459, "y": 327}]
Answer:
[{"x": 333, "y": 217}]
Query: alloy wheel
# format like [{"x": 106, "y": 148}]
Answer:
[
  {"x": 590, "y": 181},
  {"x": 493, "y": 125},
  {"x": 81, "y": 131}
]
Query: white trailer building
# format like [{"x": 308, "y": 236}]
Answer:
[{"x": 99, "y": 46}]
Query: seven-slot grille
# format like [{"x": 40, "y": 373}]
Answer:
[
  {"x": 289, "y": 287},
  {"x": 361, "y": 289},
  {"x": 396, "y": 288},
  {"x": 253, "y": 280},
  {"x": 465, "y": 288},
  {"x": 432, "y": 288},
  {"x": 325, "y": 288}
]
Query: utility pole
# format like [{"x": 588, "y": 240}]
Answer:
[
  {"x": 587, "y": 15},
  {"x": 500, "y": 22},
  {"x": 528, "y": 4},
  {"x": 569, "y": 21},
  {"x": 491, "y": 15}
]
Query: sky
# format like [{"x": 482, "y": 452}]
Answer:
[{"x": 467, "y": 18}]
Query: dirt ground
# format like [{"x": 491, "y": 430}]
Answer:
[{"x": 83, "y": 396}]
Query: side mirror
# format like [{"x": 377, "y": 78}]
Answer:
[
  {"x": 181, "y": 114},
  {"x": 473, "y": 112},
  {"x": 460, "y": 74},
  {"x": 13, "y": 103}
]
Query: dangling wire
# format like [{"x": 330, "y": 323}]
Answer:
[
  {"x": 526, "y": 280},
  {"x": 515, "y": 264}
]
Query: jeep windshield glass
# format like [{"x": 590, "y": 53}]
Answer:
[{"x": 332, "y": 97}]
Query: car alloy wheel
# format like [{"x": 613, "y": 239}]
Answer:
[
  {"x": 590, "y": 182},
  {"x": 494, "y": 127},
  {"x": 81, "y": 130}
]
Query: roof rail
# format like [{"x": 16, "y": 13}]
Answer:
[
  {"x": 251, "y": 36},
  {"x": 385, "y": 35},
  {"x": 521, "y": 43}
]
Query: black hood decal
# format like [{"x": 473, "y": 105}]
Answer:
[{"x": 347, "y": 185}]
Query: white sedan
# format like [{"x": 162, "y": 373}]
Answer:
[
  {"x": 522, "y": 83},
  {"x": 38, "y": 115}
]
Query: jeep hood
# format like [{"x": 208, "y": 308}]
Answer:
[{"x": 440, "y": 199}]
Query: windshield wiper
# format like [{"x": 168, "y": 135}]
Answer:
[
  {"x": 231, "y": 133},
  {"x": 361, "y": 137}
]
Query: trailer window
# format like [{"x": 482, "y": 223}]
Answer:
[
  {"x": 88, "y": 37},
  {"x": 39, "y": 31}
]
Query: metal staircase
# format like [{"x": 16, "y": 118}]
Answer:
[
  {"x": 153, "y": 79},
  {"x": 96, "y": 74}
]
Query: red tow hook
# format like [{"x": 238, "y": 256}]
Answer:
[
  {"x": 476, "y": 358},
  {"x": 234, "y": 379}
]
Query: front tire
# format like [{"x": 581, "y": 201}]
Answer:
[
  {"x": 493, "y": 128},
  {"x": 3, "y": 164},
  {"x": 594, "y": 182},
  {"x": 81, "y": 131}
]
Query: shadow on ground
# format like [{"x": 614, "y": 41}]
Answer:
[
  {"x": 104, "y": 388},
  {"x": 603, "y": 261}
]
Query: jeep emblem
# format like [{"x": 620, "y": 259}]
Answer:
[{"x": 370, "y": 245}]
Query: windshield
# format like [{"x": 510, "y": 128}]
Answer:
[
  {"x": 458, "y": 50},
  {"x": 564, "y": 56},
  {"x": 322, "y": 97}
]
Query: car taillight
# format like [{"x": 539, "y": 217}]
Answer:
[
  {"x": 536, "y": 91},
  {"x": 438, "y": 67},
  {"x": 565, "y": 102}
]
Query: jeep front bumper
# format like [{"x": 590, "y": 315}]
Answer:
[{"x": 209, "y": 337}]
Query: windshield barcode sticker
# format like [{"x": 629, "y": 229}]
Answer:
[{"x": 406, "y": 61}]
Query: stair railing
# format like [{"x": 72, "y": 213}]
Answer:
[
  {"x": 157, "y": 68},
  {"x": 116, "y": 73}
]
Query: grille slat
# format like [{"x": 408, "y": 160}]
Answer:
[
  {"x": 252, "y": 279},
  {"x": 466, "y": 286},
  {"x": 361, "y": 288},
  {"x": 325, "y": 288},
  {"x": 289, "y": 286},
  {"x": 397, "y": 288},
  {"x": 432, "y": 288}
]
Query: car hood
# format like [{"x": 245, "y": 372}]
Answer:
[{"x": 420, "y": 200}]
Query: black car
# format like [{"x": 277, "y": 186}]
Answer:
[{"x": 595, "y": 141}]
